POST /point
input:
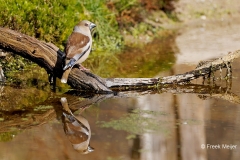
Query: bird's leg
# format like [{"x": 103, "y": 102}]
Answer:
[
  {"x": 83, "y": 68},
  {"x": 83, "y": 109}
]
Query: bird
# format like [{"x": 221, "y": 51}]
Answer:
[
  {"x": 77, "y": 129},
  {"x": 78, "y": 47}
]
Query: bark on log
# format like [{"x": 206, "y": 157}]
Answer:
[{"x": 49, "y": 56}]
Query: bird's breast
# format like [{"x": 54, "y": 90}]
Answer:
[{"x": 85, "y": 56}]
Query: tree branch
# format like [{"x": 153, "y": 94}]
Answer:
[
  {"x": 204, "y": 68},
  {"x": 49, "y": 57}
]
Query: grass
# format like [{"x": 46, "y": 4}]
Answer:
[{"x": 53, "y": 21}]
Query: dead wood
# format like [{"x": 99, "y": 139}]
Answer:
[{"x": 49, "y": 57}]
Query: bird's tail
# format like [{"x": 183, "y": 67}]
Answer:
[
  {"x": 65, "y": 75},
  {"x": 65, "y": 105}
]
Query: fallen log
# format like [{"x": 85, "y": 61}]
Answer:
[{"x": 49, "y": 57}]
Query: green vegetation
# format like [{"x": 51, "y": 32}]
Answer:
[
  {"x": 117, "y": 20},
  {"x": 7, "y": 136},
  {"x": 13, "y": 62},
  {"x": 42, "y": 108},
  {"x": 107, "y": 33},
  {"x": 52, "y": 21},
  {"x": 141, "y": 61}
]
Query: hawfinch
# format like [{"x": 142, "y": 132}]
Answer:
[
  {"x": 77, "y": 129},
  {"x": 78, "y": 47}
]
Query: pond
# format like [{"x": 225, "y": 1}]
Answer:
[{"x": 153, "y": 124}]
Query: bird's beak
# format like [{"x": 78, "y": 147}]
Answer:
[
  {"x": 92, "y": 25},
  {"x": 90, "y": 149}
]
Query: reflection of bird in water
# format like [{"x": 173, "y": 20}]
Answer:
[{"x": 77, "y": 129}]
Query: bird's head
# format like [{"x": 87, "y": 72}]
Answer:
[
  {"x": 81, "y": 148},
  {"x": 88, "y": 150},
  {"x": 85, "y": 25}
]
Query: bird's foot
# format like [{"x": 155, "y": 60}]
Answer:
[
  {"x": 83, "y": 68},
  {"x": 82, "y": 109}
]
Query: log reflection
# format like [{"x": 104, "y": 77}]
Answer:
[{"x": 75, "y": 126}]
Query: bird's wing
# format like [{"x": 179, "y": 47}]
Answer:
[{"x": 77, "y": 43}]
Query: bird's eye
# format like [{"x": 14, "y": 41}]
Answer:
[{"x": 86, "y": 24}]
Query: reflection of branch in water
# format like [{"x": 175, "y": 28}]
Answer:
[
  {"x": 206, "y": 91},
  {"x": 202, "y": 90},
  {"x": 230, "y": 97},
  {"x": 213, "y": 91},
  {"x": 77, "y": 129},
  {"x": 30, "y": 118},
  {"x": 87, "y": 101},
  {"x": 21, "y": 120}
]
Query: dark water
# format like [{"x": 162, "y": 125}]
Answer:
[{"x": 146, "y": 125}]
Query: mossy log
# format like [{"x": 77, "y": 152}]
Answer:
[{"x": 49, "y": 56}]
